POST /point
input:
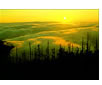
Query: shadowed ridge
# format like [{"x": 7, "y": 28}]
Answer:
[{"x": 4, "y": 51}]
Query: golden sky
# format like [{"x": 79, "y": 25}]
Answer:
[{"x": 63, "y": 16}]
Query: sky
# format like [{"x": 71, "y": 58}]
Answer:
[
  {"x": 75, "y": 25},
  {"x": 54, "y": 15}
]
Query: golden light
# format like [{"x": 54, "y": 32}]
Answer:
[
  {"x": 64, "y": 21},
  {"x": 65, "y": 18}
]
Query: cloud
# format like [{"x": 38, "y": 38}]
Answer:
[
  {"x": 17, "y": 43},
  {"x": 95, "y": 29},
  {"x": 87, "y": 25},
  {"x": 70, "y": 31},
  {"x": 56, "y": 41},
  {"x": 34, "y": 41},
  {"x": 67, "y": 31},
  {"x": 52, "y": 31},
  {"x": 23, "y": 31}
]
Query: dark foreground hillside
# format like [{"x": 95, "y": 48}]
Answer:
[{"x": 65, "y": 64}]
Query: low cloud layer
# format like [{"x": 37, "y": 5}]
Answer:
[{"x": 20, "y": 34}]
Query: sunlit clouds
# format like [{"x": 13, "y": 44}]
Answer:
[{"x": 58, "y": 34}]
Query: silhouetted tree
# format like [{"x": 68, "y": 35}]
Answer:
[
  {"x": 24, "y": 55},
  {"x": 17, "y": 58},
  {"x": 82, "y": 49},
  {"x": 61, "y": 52},
  {"x": 72, "y": 48},
  {"x": 39, "y": 52},
  {"x": 35, "y": 53},
  {"x": 96, "y": 44},
  {"x": 87, "y": 44},
  {"x": 53, "y": 53},
  {"x": 77, "y": 50},
  {"x": 30, "y": 52},
  {"x": 16, "y": 52},
  {"x": 69, "y": 48},
  {"x": 47, "y": 50}
]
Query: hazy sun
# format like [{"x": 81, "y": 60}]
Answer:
[
  {"x": 65, "y": 18},
  {"x": 64, "y": 21}
]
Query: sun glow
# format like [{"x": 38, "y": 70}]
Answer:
[
  {"x": 65, "y": 18},
  {"x": 65, "y": 21}
]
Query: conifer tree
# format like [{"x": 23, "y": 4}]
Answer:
[
  {"x": 30, "y": 50},
  {"x": 47, "y": 50},
  {"x": 53, "y": 53}
]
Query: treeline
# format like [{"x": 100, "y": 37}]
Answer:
[
  {"x": 38, "y": 53},
  {"x": 51, "y": 62}
]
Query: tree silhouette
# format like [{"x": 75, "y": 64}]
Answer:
[
  {"x": 47, "y": 50},
  {"x": 87, "y": 44},
  {"x": 30, "y": 52},
  {"x": 39, "y": 52},
  {"x": 53, "y": 53},
  {"x": 81, "y": 61}
]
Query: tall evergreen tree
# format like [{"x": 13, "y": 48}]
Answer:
[
  {"x": 82, "y": 49},
  {"x": 87, "y": 44},
  {"x": 69, "y": 48},
  {"x": 35, "y": 53},
  {"x": 47, "y": 51},
  {"x": 30, "y": 53},
  {"x": 39, "y": 52},
  {"x": 72, "y": 48},
  {"x": 53, "y": 53},
  {"x": 16, "y": 52}
]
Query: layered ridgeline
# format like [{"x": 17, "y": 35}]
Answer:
[{"x": 30, "y": 38}]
